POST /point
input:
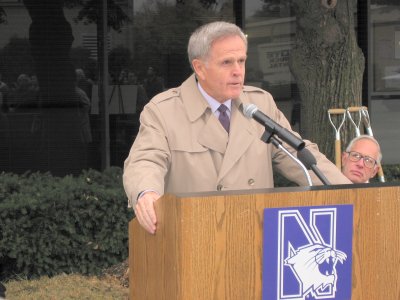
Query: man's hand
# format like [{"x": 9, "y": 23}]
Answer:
[{"x": 145, "y": 212}]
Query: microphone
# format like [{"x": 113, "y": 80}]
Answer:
[
  {"x": 252, "y": 111},
  {"x": 309, "y": 161}
]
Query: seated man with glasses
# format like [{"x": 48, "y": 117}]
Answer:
[{"x": 360, "y": 161}]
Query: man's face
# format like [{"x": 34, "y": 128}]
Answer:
[
  {"x": 221, "y": 74},
  {"x": 358, "y": 172}
]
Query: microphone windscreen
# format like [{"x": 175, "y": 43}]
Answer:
[
  {"x": 249, "y": 109},
  {"x": 306, "y": 157}
]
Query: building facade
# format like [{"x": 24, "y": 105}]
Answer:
[{"x": 72, "y": 87}]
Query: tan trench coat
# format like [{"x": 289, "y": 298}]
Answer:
[{"x": 181, "y": 147}]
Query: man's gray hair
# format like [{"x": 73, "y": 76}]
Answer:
[
  {"x": 365, "y": 137},
  {"x": 201, "y": 40}
]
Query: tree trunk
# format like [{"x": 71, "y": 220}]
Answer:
[
  {"x": 328, "y": 67},
  {"x": 50, "y": 38},
  {"x": 63, "y": 125}
]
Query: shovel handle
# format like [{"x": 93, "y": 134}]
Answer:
[
  {"x": 336, "y": 111},
  {"x": 355, "y": 108},
  {"x": 380, "y": 174},
  {"x": 338, "y": 154}
]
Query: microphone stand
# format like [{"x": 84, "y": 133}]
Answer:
[{"x": 269, "y": 137}]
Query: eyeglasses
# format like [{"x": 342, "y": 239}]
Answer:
[{"x": 369, "y": 162}]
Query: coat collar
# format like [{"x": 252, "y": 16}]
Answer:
[
  {"x": 212, "y": 135},
  {"x": 193, "y": 100}
]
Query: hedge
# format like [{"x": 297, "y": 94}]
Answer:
[{"x": 51, "y": 225}]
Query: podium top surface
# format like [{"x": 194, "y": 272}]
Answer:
[{"x": 289, "y": 189}]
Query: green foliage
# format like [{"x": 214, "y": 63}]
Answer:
[
  {"x": 50, "y": 225},
  {"x": 116, "y": 16},
  {"x": 391, "y": 173}
]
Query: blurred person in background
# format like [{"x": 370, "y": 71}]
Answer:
[
  {"x": 153, "y": 84},
  {"x": 23, "y": 94},
  {"x": 4, "y": 90},
  {"x": 83, "y": 83}
]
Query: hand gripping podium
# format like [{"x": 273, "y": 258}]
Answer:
[{"x": 210, "y": 245}]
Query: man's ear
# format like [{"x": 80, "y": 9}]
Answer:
[
  {"x": 344, "y": 156},
  {"x": 198, "y": 67},
  {"x": 376, "y": 169}
]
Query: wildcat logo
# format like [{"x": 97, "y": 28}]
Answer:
[
  {"x": 315, "y": 266},
  {"x": 307, "y": 261}
]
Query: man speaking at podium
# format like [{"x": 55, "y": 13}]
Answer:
[{"x": 195, "y": 137}]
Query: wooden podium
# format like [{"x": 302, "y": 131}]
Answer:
[{"x": 209, "y": 246}]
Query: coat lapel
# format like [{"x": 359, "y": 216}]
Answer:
[
  {"x": 241, "y": 137},
  {"x": 213, "y": 135}
]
